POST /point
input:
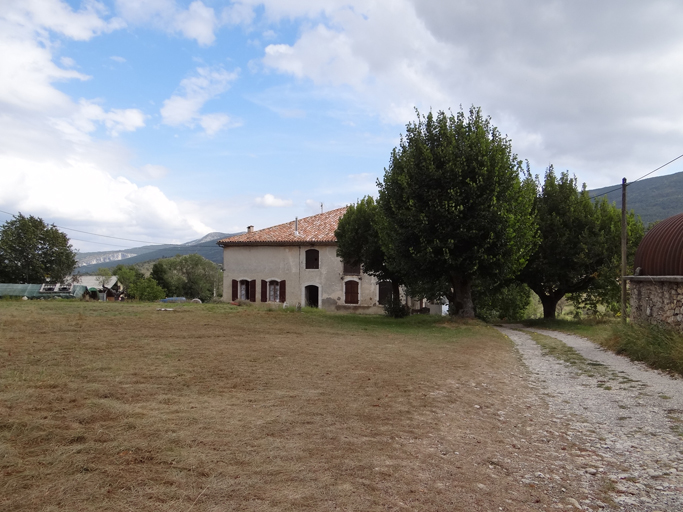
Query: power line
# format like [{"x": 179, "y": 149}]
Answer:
[
  {"x": 643, "y": 176},
  {"x": 97, "y": 234},
  {"x": 104, "y": 236}
]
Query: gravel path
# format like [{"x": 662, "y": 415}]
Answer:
[{"x": 627, "y": 421}]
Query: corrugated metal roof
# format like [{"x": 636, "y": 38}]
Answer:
[
  {"x": 660, "y": 253},
  {"x": 32, "y": 291},
  {"x": 317, "y": 229}
]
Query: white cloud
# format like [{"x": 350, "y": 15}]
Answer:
[
  {"x": 67, "y": 62},
  {"x": 116, "y": 58},
  {"x": 154, "y": 172},
  {"x": 197, "y": 22},
  {"x": 83, "y": 121},
  {"x": 238, "y": 14},
  {"x": 184, "y": 108},
  {"x": 269, "y": 200},
  {"x": 571, "y": 83},
  {"x": 60, "y": 169},
  {"x": 58, "y": 16}
]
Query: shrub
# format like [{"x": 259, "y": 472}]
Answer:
[
  {"x": 396, "y": 309},
  {"x": 146, "y": 289}
]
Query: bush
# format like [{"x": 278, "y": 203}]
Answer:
[
  {"x": 396, "y": 309},
  {"x": 146, "y": 289}
]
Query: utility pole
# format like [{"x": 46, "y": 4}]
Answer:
[{"x": 623, "y": 250}]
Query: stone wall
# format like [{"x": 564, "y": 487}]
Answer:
[{"x": 657, "y": 300}]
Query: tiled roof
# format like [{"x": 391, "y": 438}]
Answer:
[{"x": 317, "y": 229}]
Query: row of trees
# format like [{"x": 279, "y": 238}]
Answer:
[{"x": 459, "y": 216}]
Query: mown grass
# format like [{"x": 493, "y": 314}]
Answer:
[
  {"x": 118, "y": 406},
  {"x": 657, "y": 346}
]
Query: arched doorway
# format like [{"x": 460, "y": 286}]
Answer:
[{"x": 311, "y": 296}]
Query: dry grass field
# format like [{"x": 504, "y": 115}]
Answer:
[{"x": 119, "y": 406}]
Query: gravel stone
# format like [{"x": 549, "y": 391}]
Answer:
[{"x": 625, "y": 419}]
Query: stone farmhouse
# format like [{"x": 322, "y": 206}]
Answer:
[{"x": 297, "y": 263}]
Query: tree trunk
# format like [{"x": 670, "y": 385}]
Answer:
[
  {"x": 460, "y": 303},
  {"x": 395, "y": 290},
  {"x": 550, "y": 305}
]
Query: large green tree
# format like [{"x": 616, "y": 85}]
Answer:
[
  {"x": 32, "y": 251},
  {"x": 580, "y": 245},
  {"x": 358, "y": 242},
  {"x": 458, "y": 206}
]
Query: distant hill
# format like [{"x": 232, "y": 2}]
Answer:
[
  {"x": 652, "y": 198},
  {"x": 205, "y": 246}
]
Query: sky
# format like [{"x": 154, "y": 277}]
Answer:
[{"x": 163, "y": 120}]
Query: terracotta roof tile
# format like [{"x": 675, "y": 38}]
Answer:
[{"x": 315, "y": 229}]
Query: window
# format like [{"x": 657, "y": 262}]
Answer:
[
  {"x": 274, "y": 291},
  {"x": 385, "y": 292},
  {"x": 352, "y": 269},
  {"x": 244, "y": 289},
  {"x": 312, "y": 259},
  {"x": 351, "y": 292}
]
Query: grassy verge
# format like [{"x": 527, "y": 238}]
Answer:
[
  {"x": 656, "y": 346},
  {"x": 597, "y": 330}
]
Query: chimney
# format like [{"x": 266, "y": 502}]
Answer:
[
  {"x": 296, "y": 225},
  {"x": 250, "y": 229}
]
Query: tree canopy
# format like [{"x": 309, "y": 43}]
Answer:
[
  {"x": 580, "y": 247},
  {"x": 32, "y": 251},
  {"x": 191, "y": 276},
  {"x": 358, "y": 242},
  {"x": 457, "y": 207}
]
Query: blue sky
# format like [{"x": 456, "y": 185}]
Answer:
[{"x": 162, "y": 120}]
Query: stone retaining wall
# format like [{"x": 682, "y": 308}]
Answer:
[{"x": 657, "y": 300}]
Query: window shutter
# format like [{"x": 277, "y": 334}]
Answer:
[
  {"x": 283, "y": 291},
  {"x": 252, "y": 290},
  {"x": 235, "y": 289},
  {"x": 264, "y": 291},
  {"x": 351, "y": 292},
  {"x": 312, "y": 259}
]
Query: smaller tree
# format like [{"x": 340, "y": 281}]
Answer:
[
  {"x": 191, "y": 276},
  {"x": 103, "y": 275},
  {"x": 32, "y": 251},
  {"x": 127, "y": 275},
  {"x": 580, "y": 242},
  {"x": 605, "y": 290},
  {"x": 358, "y": 242},
  {"x": 146, "y": 289}
]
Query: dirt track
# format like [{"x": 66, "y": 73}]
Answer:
[{"x": 626, "y": 419}]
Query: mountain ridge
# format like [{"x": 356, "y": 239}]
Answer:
[
  {"x": 654, "y": 199},
  {"x": 204, "y": 246}
]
